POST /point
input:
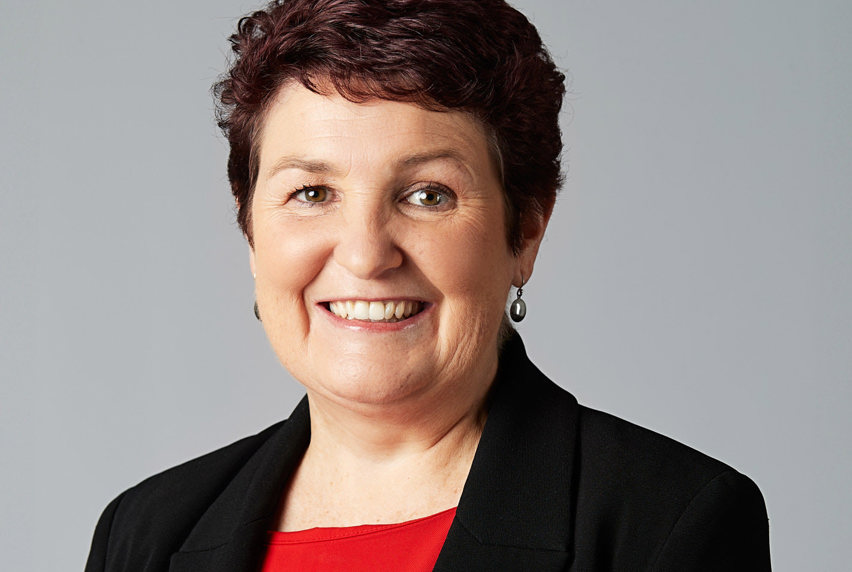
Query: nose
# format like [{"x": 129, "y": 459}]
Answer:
[{"x": 366, "y": 246}]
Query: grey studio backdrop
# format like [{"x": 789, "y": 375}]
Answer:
[{"x": 695, "y": 279}]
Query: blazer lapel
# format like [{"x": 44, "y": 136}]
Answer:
[
  {"x": 517, "y": 506},
  {"x": 230, "y": 535}
]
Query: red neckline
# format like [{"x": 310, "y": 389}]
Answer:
[{"x": 324, "y": 534}]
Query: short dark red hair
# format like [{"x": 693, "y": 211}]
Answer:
[{"x": 479, "y": 56}]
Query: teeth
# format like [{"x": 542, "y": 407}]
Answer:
[
  {"x": 362, "y": 311},
  {"x": 387, "y": 311},
  {"x": 377, "y": 311}
]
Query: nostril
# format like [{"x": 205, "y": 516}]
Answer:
[{"x": 368, "y": 252}]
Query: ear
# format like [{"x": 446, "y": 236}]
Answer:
[{"x": 533, "y": 232}]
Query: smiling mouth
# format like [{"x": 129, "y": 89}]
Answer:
[{"x": 388, "y": 311}]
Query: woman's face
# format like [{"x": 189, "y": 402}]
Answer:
[{"x": 382, "y": 267}]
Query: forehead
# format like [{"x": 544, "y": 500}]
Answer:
[{"x": 303, "y": 122}]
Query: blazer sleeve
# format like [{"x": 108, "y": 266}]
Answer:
[
  {"x": 725, "y": 527},
  {"x": 97, "y": 561}
]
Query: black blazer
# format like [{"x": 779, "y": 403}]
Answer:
[{"x": 553, "y": 486}]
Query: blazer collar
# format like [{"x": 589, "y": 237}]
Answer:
[
  {"x": 516, "y": 505},
  {"x": 230, "y": 534}
]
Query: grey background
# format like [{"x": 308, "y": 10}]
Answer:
[{"x": 695, "y": 278}]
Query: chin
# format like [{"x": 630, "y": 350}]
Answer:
[
  {"x": 371, "y": 383},
  {"x": 368, "y": 393}
]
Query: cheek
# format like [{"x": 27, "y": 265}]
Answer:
[
  {"x": 475, "y": 265},
  {"x": 287, "y": 260},
  {"x": 474, "y": 276}
]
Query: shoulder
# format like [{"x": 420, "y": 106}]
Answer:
[
  {"x": 554, "y": 476},
  {"x": 156, "y": 515},
  {"x": 663, "y": 502},
  {"x": 198, "y": 478},
  {"x": 631, "y": 453}
]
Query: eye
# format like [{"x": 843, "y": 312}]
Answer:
[
  {"x": 428, "y": 197},
  {"x": 312, "y": 194}
]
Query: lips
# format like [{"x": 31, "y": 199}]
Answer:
[{"x": 387, "y": 311}]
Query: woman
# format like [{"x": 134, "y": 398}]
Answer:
[{"x": 394, "y": 165}]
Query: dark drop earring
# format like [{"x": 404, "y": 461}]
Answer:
[
  {"x": 257, "y": 312},
  {"x": 518, "y": 310}
]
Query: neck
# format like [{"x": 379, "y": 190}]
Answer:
[
  {"x": 386, "y": 462},
  {"x": 383, "y": 434}
]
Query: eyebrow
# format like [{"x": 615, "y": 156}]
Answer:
[
  {"x": 307, "y": 165},
  {"x": 420, "y": 158},
  {"x": 438, "y": 155},
  {"x": 323, "y": 168}
]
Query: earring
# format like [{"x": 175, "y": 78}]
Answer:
[
  {"x": 256, "y": 311},
  {"x": 518, "y": 310}
]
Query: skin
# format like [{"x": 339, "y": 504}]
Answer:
[{"x": 381, "y": 201}]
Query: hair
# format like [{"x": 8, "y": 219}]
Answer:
[{"x": 478, "y": 56}]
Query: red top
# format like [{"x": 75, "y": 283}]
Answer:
[{"x": 411, "y": 546}]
